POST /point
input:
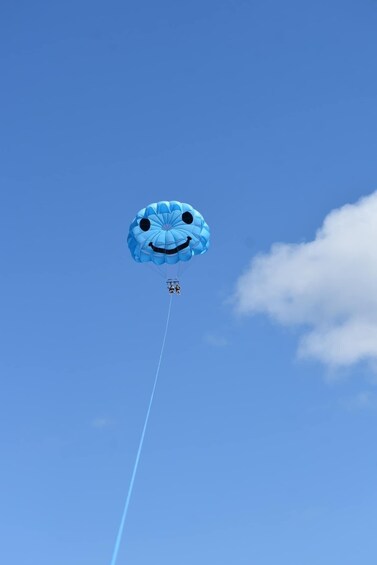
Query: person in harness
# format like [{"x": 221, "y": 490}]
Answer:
[{"x": 173, "y": 286}]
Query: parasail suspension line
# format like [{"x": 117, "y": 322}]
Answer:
[{"x": 126, "y": 505}]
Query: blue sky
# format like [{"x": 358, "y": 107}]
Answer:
[{"x": 263, "y": 116}]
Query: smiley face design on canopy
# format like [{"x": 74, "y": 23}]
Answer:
[{"x": 168, "y": 232}]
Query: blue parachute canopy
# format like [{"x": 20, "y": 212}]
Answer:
[{"x": 167, "y": 232}]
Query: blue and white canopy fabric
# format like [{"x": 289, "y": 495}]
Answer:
[{"x": 168, "y": 232}]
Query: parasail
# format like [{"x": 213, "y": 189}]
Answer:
[{"x": 168, "y": 232}]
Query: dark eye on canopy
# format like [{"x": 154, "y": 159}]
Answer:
[
  {"x": 187, "y": 217},
  {"x": 145, "y": 224}
]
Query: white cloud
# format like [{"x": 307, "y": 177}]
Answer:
[
  {"x": 215, "y": 340},
  {"x": 101, "y": 423},
  {"x": 328, "y": 286},
  {"x": 361, "y": 401}
]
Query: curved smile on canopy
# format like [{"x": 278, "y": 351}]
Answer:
[{"x": 171, "y": 251}]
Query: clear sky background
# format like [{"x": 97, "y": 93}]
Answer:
[{"x": 263, "y": 116}]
